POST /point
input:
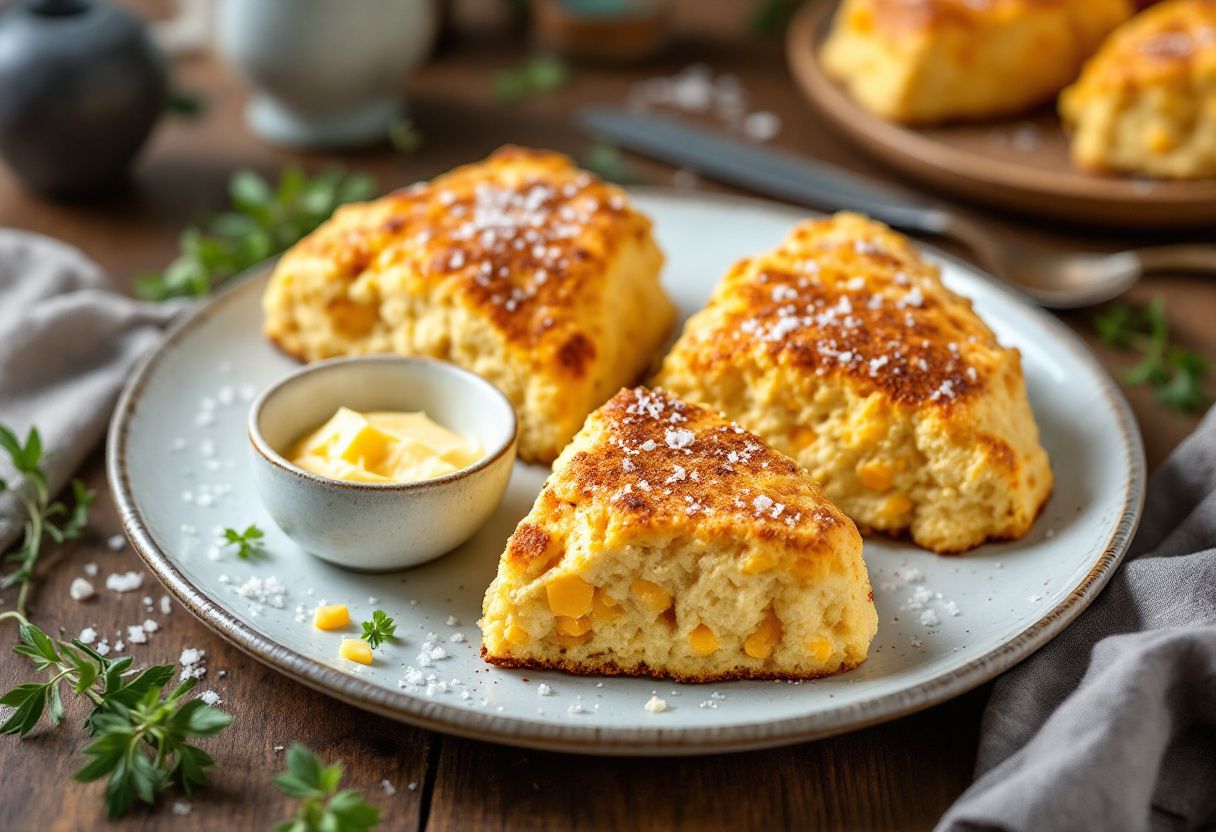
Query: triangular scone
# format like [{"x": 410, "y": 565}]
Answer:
[
  {"x": 842, "y": 349},
  {"x": 924, "y": 61},
  {"x": 522, "y": 268},
  {"x": 670, "y": 542}
]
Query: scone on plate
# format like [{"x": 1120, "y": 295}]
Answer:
[
  {"x": 522, "y": 268},
  {"x": 928, "y": 61},
  {"x": 1146, "y": 103},
  {"x": 842, "y": 349},
  {"x": 671, "y": 542}
]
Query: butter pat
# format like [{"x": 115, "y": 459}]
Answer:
[{"x": 383, "y": 447}]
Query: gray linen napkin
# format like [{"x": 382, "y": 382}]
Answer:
[
  {"x": 1112, "y": 726},
  {"x": 67, "y": 343}
]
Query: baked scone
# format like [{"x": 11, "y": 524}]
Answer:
[
  {"x": 1146, "y": 103},
  {"x": 842, "y": 349},
  {"x": 928, "y": 61},
  {"x": 671, "y": 542},
  {"x": 521, "y": 268}
]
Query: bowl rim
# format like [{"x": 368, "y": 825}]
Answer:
[{"x": 267, "y": 453}]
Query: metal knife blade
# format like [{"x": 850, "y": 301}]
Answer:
[{"x": 765, "y": 170}]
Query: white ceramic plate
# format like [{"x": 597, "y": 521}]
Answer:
[{"x": 178, "y": 464}]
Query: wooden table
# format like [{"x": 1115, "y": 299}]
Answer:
[{"x": 901, "y": 775}]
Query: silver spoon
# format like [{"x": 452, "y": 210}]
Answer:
[
  {"x": 1060, "y": 280},
  {"x": 1054, "y": 280}
]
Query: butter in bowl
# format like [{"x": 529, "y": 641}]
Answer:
[{"x": 381, "y": 462}]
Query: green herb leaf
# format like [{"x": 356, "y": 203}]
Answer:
[
  {"x": 266, "y": 221},
  {"x": 39, "y": 642},
  {"x": 142, "y": 748},
  {"x": 405, "y": 136},
  {"x": 323, "y": 807},
  {"x": 607, "y": 162},
  {"x": 380, "y": 629},
  {"x": 773, "y": 16},
  {"x": 29, "y": 701},
  {"x": 26, "y": 457},
  {"x": 248, "y": 542},
  {"x": 1177, "y": 376},
  {"x": 539, "y": 74}
]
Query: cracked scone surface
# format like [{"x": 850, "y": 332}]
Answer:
[
  {"x": 522, "y": 268},
  {"x": 928, "y": 61},
  {"x": 1146, "y": 103},
  {"x": 842, "y": 348},
  {"x": 669, "y": 542}
]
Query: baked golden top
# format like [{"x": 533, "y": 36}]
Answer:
[
  {"x": 928, "y": 61},
  {"x": 668, "y": 464},
  {"x": 899, "y": 17},
  {"x": 847, "y": 296},
  {"x": 519, "y": 236},
  {"x": 1171, "y": 41}
]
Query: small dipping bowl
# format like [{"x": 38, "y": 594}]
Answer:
[{"x": 381, "y": 526}]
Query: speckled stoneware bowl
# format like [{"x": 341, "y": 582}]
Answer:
[{"x": 381, "y": 526}]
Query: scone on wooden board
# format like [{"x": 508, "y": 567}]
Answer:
[
  {"x": 1146, "y": 103},
  {"x": 929, "y": 61},
  {"x": 669, "y": 542},
  {"x": 521, "y": 268},
  {"x": 842, "y": 348}
]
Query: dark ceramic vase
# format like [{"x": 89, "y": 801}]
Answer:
[{"x": 81, "y": 86}]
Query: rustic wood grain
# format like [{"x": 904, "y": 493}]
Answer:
[{"x": 897, "y": 776}]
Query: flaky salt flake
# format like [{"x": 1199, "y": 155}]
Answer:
[
  {"x": 124, "y": 581},
  {"x": 655, "y": 705}
]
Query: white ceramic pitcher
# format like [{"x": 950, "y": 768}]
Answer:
[{"x": 324, "y": 73}]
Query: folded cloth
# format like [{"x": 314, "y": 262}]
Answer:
[
  {"x": 1112, "y": 726},
  {"x": 67, "y": 344}
]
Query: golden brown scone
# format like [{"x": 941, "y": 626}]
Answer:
[
  {"x": 671, "y": 542},
  {"x": 842, "y": 349},
  {"x": 522, "y": 268},
  {"x": 928, "y": 61},
  {"x": 1146, "y": 103}
]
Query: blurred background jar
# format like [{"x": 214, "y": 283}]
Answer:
[
  {"x": 325, "y": 74},
  {"x": 81, "y": 86},
  {"x": 604, "y": 30}
]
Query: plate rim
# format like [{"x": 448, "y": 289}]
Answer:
[
  {"x": 436, "y": 715},
  {"x": 1115, "y": 201}
]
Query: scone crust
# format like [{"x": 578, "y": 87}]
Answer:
[
  {"x": 606, "y": 667},
  {"x": 1146, "y": 103},
  {"x": 736, "y": 537},
  {"x": 842, "y": 348},
  {"x": 523, "y": 268},
  {"x": 927, "y": 61}
]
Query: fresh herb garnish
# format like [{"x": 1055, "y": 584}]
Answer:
[
  {"x": 773, "y": 16},
  {"x": 248, "y": 542},
  {"x": 405, "y": 136},
  {"x": 43, "y": 517},
  {"x": 607, "y": 162},
  {"x": 324, "y": 808},
  {"x": 539, "y": 74},
  {"x": 379, "y": 630},
  {"x": 1177, "y": 375},
  {"x": 139, "y": 738},
  {"x": 265, "y": 222}
]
